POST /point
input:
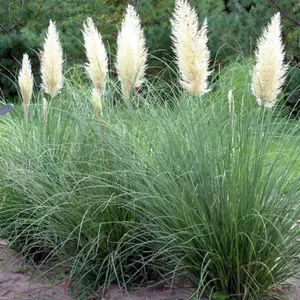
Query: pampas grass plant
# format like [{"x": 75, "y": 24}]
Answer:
[
  {"x": 52, "y": 62},
  {"x": 270, "y": 71},
  {"x": 25, "y": 80},
  {"x": 131, "y": 53},
  {"x": 97, "y": 66},
  {"x": 190, "y": 47}
]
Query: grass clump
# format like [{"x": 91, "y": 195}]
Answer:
[
  {"x": 60, "y": 195},
  {"x": 194, "y": 189},
  {"x": 224, "y": 195}
]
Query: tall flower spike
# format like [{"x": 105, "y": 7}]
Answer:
[
  {"x": 131, "y": 53},
  {"x": 270, "y": 71},
  {"x": 190, "y": 47},
  {"x": 97, "y": 66},
  {"x": 230, "y": 101},
  {"x": 52, "y": 62},
  {"x": 26, "y": 84},
  {"x": 45, "y": 112},
  {"x": 96, "y": 101}
]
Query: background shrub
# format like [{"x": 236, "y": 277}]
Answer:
[{"x": 233, "y": 29}]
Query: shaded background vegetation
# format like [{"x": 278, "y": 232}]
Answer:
[{"x": 233, "y": 29}]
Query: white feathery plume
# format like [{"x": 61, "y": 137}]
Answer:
[
  {"x": 131, "y": 53},
  {"x": 270, "y": 71},
  {"x": 190, "y": 47},
  {"x": 97, "y": 66},
  {"x": 52, "y": 62},
  {"x": 25, "y": 81}
]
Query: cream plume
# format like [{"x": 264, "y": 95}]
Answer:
[
  {"x": 190, "y": 46},
  {"x": 52, "y": 62},
  {"x": 25, "y": 80},
  {"x": 270, "y": 71},
  {"x": 131, "y": 53},
  {"x": 97, "y": 66}
]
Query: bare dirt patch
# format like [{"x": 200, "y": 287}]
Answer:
[{"x": 17, "y": 282}]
